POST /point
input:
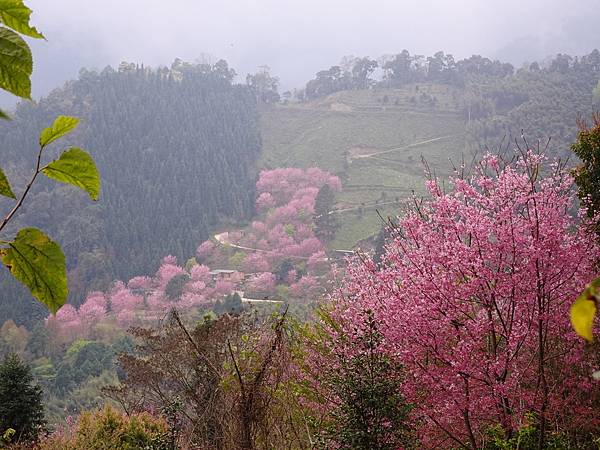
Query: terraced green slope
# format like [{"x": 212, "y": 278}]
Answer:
[{"x": 374, "y": 140}]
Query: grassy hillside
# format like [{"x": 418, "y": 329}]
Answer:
[{"x": 372, "y": 139}]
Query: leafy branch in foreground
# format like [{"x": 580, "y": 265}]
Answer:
[
  {"x": 32, "y": 257},
  {"x": 16, "y": 62}
]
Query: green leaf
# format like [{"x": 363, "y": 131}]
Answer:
[
  {"x": 14, "y": 14},
  {"x": 583, "y": 311},
  {"x": 16, "y": 64},
  {"x": 75, "y": 167},
  {"x": 4, "y": 116},
  {"x": 61, "y": 126},
  {"x": 39, "y": 264},
  {"x": 5, "y": 186}
]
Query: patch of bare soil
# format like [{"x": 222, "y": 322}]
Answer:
[
  {"x": 340, "y": 107},
  {"x": 361, "y": 152}
]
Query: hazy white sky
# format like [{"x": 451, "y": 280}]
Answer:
[{"x": 297, "y": 38}]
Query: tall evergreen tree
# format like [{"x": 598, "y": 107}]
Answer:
[
  {"x": 326, "y": 224},
  {"x": 21, "y": 405},
  {"x": 362, "y": 386}
]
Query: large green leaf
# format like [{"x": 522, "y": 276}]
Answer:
[
  {"x": 5, "y": 186},
  {"x": 14, "y": 14},
  {"x": 61, "y": 126},
  {"x": 39, "y": 264},
  {"x": 76, "y": 167},
  {"x": 16, "y": 64},
  {"x": 4, "y": 116}
]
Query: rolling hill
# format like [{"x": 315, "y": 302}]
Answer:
[{"x": 374, "y": 140}]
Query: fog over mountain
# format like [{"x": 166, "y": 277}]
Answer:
[{"x": 297, "y": 38}]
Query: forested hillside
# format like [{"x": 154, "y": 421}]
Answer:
[
  {"x": 176, "y": 150},
  {"x": 178, "y": 147}
]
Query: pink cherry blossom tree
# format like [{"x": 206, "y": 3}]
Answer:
[
  {"x": 264, "y": 202},
  {"x": 168, "y": 270},
  {"x": 141, "y": 282},
  {"x": 200, "y": 273},
  {"x": 204, "y": 250},
  {"x": 67, "y": 314},
  {"x": 291, "y": 276},
  {"x": 123, "y": 299},
  {"x": 91, "y": 312},
  {"x": 256, "y": 262},
  {"x": 307, "y": 288},
  {"x": 473, "y": 299},
  {"x": 262, "y": 284},
  {"x": 191, "y": 300},
  {"x": 283, "y": 183},
  {"x": 223, "y": 288},
  {"x": 66, "y": 324}
]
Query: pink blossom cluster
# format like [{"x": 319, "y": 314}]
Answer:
[
  {"x": 307, "y": 287},
  {"x": 287, "y": 198},
  {"x": 473, "y": 298},
  {"x": 256, "y": 262},
  {"x": 142, "y": 297},
  {"x": 261, "y": 285},
  {"x": 204, "y": 250},
  {"x": 281, "y": 184}
]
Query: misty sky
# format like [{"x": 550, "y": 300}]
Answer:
[{"x": 297, "y": 38}]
